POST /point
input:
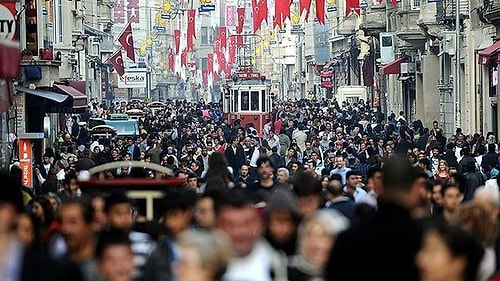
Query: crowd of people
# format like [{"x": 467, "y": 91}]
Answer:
[{"x": 324, "y": 191}]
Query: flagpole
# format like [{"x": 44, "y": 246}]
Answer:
[{"x": 123, "y": 30}]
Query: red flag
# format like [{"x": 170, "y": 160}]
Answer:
[
  {"x": 205, "y": 78},
  {"x": 127, "y": 41},
  {"x": 6, "y": 95},
  {"x": 210, "y": 64},
  {"x": 223, "y": 36},
  {"x": 217, "y": 47},
  {"x": 239, "y": 40},
  {"x": 305, "y": 5},
  {"x": 320, "y": 10},
  {"x": 394, "y": 3},
  {"x": 10, "y": 56},
  {"x": 262, "y": 11},
  {"x": 255, "y": 15},
  {"x": 190, "y": 28},
  {"x": 285, "y": 11},
  {"x": 216, "y": 76},
  {"x": 232, "y": 48},
  {"x": 184, "y": 55},
  {"x": 171, "y": 60},
  {"x": 117, "y": 62},
  {"x": 177, "y": 39},
  {"x": 277, "y": 13},
  {"x": 241, "y": 20},
  {"x": 352, "y": 5}
]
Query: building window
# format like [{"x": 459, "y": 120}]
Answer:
[
  {"x": 415, "y": 4},
  {"x": 204, "y": 37},
  {"x": 58, "y": 20}
]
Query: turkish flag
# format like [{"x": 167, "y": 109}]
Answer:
[
  {"x": 241, "y": 20},
  {"x": 171, "y": 60},
  {"x": 216, "y": 76},
  {"x": 285, "y": 11},
  {"x": 184, "y": 55},
  {"x": 6, "y": 95},
  {"x": 255, "y": 15},
  {"x": 239, "y": 40},
  {"x": 190, "y": 28},
  {"x": 352, "y": 5},
  {"x": 177, "y": 39},
  {"x": 127, "y": 41},
  {"x": 232, "y": 48},
  {"x": 10, "y": 58},
  {"x": 217, "y": 47},
  {"x": 394, "y": 3},
  {"x": 320, "y": 10},
  {"x": 117, "y": 62},
  {"x": 305, "y": 5},
  {"x": 205, "y": 78},
  {"x": 210, "y": 64},
  {"x": 262, "y": 11},
  {"x": 223, "y": 36}
]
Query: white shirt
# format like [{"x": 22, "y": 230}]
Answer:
[{"x": 254, "y": 267}]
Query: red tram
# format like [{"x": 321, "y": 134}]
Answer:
[{"x": 248, "y": 98}]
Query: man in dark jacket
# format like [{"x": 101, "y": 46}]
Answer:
[
  {"x": 389, "y": 239},
  {"x": 235, "y": 156}
]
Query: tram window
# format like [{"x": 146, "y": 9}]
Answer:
[
  {"x": 244, "y": 101},
  {"x": 255, "y": 101},
  {"x": 235, "y": 107},
  {"x": 264, "y": 101}
]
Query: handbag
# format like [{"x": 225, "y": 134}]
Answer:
[
  {"x": 33, "y": 72},
  {"x": 46, "y": 54}
]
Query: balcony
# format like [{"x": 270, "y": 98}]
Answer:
[
  {"x": 407, "y": 28},
  {"x": 490, "y": 12},
  {"x": 50, "y": 72},
  {"x": 374, "y": 21}
]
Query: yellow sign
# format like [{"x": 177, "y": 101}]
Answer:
[{"x": 167, "y": 6}]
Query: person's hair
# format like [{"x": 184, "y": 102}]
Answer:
[
  {"x": 48, "y": 211},
  {"x": 236, "y": 197},
  {"x": 335, "y": 187},
  {"x": 179, "y": 198},
  {"x": 68, "y": 177},
  {"x": 108, "y": 238},
  {"x": 116, "y": 197},
  {"x": 460, "y": 244},
  {"x": 398, "y": 175},
  {"x": 213, "y": 249},
  {"x": 11, "y": 192},
  {"x": 85, "y": 205},
  {"x": 477, "y": 222},
  {"x": 304, "y": 184},
  {"x": 373, "y": 170},
  {"x": 284, "y": 170},
  {"x": 217, "y": 166}
]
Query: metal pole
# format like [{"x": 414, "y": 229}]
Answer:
[
  {"x": 299, "y": 67},
  {"x": 5, "y": 153},
  {"x": 457, "y": 65}
]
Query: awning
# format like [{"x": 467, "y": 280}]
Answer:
[
  {"x": 79, "y": 99},
  {"x": 394, "y": 67},
  {"x": 43, "y": 94},
  {"x": 484, "y": 55}
]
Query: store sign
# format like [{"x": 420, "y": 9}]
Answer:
[
  {"x": 326, "y": 79},
  {"x": 132, "y": 80},
  {"x": 25, "y": 158},
  {"x": 7, "y": 22}
]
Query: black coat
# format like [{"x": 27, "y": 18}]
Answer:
[
  {"x": 37, "y": 266},
  {"x": 382, "y": 248},
  {"x": 235, "y": 159}
]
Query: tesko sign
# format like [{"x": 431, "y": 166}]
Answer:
[{"x": 133, "y": 80}]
